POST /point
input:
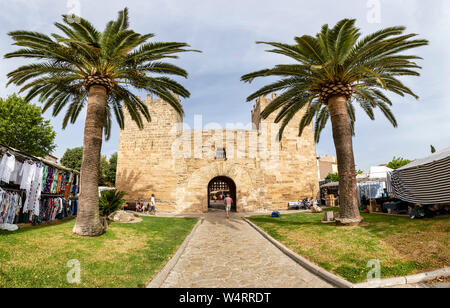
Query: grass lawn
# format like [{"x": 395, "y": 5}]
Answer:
[
  {"x": 402, "y": 246},
  {"x": 127, "y": 255}
]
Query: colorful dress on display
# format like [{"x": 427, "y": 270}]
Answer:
[
  {"x": 54, "y": 187},
  {"x": 44, "y": 178},
  {"x": 49, "y": 180}
]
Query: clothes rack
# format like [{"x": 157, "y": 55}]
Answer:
[
  {"x": 31, "y": 158},
  {"x": 35, "y": 206}
]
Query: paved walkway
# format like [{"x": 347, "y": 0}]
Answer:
[{"x": 231, "y": 254}]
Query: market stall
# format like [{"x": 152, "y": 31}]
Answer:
[
  {"x": 34, "y": 190},
  {"x": 425, "y": 181}
]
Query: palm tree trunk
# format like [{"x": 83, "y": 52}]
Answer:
[
  {"x": 88, "y": 219},
  {"x": 342, "y": 136}
]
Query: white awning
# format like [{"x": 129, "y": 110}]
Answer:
[
  {"x": 424, "y": 181},
  {"x": 427, "y": 160}
]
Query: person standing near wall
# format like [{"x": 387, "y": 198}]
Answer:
[
  {"x": 153, "y": 205},
  {"x": 228, "y": 202}
]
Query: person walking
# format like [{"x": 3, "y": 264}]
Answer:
[
  {"x": 228, "y": 202},
  {"x": 153, "y": 205}
]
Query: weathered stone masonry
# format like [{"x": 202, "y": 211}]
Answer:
[{"x": 176, "y": 165}]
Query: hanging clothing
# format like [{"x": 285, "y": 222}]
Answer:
[
  {"x": 65, "y": 182},
  {"x": 44, "y": 177},
  {"x": 34, "y": 193},
  {"x": 15, "y": 174},
  {"x": 74, "y": 206},
  {"x": 59, "y": 181},
  {"x": 49, "y": 180},
  {"x": 28, "y": 172},
  {"x": 7, "y": 166},
  {"x": 34, "y": 203},
  {"x": 66, "y": 191},
  {"x": 54, "y": 186},
  {"x": 19, "y": 175},
  {"x": 372, "y": 190},
  {"x": 75, "y": 189},
  {"x": 9, "y": 202}
]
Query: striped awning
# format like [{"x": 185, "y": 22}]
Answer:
[{"x": 424, "y": 181}]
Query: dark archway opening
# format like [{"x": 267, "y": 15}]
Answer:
[{"x": 218, "y": 188}]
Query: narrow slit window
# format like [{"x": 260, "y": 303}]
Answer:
[{"x": 221, "y": 153}]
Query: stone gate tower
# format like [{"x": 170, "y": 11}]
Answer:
[{"x": 178, "y": 165}]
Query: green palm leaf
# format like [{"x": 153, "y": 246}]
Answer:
[{"x": 371, "y": 65}]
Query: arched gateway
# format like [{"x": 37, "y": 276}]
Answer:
[
  {"x": 218, "y": 188},
  {"x": 185, "y": 168}
]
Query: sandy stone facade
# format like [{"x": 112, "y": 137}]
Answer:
[
  {"x": 177, "y": 164},
  {"x": 327, "y": 165}
]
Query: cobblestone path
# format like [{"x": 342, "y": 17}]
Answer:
[{"x": 231, "y": 254}]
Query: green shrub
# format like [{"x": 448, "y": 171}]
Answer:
[
  {"x": 110, "y": 201},
  {"x": 398, "y": 162},
  {"x": 334, "y": 177}
]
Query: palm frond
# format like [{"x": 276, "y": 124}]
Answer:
[
  {"x": 369, "y": 66},
  {"x": 65, "y": 60}
]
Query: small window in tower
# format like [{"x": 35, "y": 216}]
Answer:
[{"x": 221, "y": 153}]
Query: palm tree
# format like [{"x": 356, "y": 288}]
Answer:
[
  {"x": 332, "y": 72},
  {"x": 98, "y": 68}
]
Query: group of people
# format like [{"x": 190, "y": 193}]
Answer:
[
  {"x": 307, "y": 203},
  {"x": 219, "y": 197},
  {"x": 150, "y": 207},
  {"x": 147, "y": 207}
]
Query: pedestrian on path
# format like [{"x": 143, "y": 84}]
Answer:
[
  {"x": 153, "y": 205},
  {"x": 228, "y": 202}
]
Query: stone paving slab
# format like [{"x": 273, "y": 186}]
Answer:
[{"x": 231, "y": 254}]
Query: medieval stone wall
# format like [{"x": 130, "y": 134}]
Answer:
[
  {"x": 177, "y": 165},
  {"x": 144, "y": 163}
]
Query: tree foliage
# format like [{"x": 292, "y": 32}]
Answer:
[
  {"x": 108, "y": 170},
  {"x": 111, "y": 169},
  {"x": 398, "y": 162},
  {"x": 23, "y": 127},
  {"x": 334, "y": 177},
  {"x": 72, "y": 158},
  {"x": 103, "y": 167}
]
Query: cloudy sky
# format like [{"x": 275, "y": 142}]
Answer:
[{"x": 226, "y": 31}]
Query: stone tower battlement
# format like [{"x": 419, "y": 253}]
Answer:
[
  {"x": 176, "y": 165},
  {"x": 258, "y": 107},
  {"x": 161, "y": 113}
]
